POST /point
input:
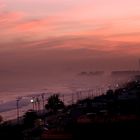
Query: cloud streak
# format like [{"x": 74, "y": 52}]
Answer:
[{"x": 69, "y": 25}]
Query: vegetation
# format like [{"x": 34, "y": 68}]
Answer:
[
  {"x": 54, "y": 103},
  {"x": 1, "y": 119},
  {"x": 116, "y": 112},
  {"x": 29, "y": 118}
]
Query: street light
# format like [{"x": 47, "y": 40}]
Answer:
[
  {"x": 32, "y": 101},
  {"x": 43, "y": 100},
  {"x": 17, "y": 104},
  {"x": 38, "y": 103}
]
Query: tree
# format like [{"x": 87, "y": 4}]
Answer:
[
  {"x": 29, "y": 118},
  {"x": 1, "y": 119},
  {"x": 54, "y": 103}
]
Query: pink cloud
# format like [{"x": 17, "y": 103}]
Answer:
[
  {"x": 31, "y": 25},
  {"x": 15, "y": 25},
  {"x": 128, "y": 37},
  {"x": 2, "y": 5},
  {"x": 80, "y": 19},
  {"x": 7, "y": 18}
]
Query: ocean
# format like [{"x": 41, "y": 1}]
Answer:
[{"x": 68, "y": 87}]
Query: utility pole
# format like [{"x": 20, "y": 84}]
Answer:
[
  {"x": 38, "y": 104},
  {"x": 77, "y": 93},
  {"x": 17, "y": 104},
  {"x": 43, "y": 100},
  {"x": 35, "y": 103},
  {"x": 80, "y": 95},
  {"x": 88, "y": 93},
  {"x": 72, "y": 98},
  {"x": 63, "y": 98}
]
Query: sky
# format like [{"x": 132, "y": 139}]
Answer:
[{"x": 38, "y": 37}]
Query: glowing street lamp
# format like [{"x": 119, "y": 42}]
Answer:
[{"x": 32, "y": 101}]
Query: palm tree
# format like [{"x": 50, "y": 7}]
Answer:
[{"x": 54, "y": 103}]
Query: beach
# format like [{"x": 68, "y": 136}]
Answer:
[{"x": 67, "y": 87}]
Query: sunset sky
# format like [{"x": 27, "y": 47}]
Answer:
[
  {"x": 36, "y": 21},
  {"x": 42, "y": 35}
]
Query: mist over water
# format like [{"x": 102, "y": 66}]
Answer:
[
  {"x": 65, "y": 84},
  {"x": 57, "y": 83},
  {"x": 29, "y": 72}
]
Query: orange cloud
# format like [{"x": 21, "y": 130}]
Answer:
[
  {"x": 8, "y": 20},
  {"x": 105, "y": 32},
  {"x": 14, "y": 25},
  {"x": 126, "y": 37},
  {"x": 8, "y": 17},
  {"x": 31, "y": 25}
]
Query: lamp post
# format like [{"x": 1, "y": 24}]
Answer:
[
  {"x": 43, "y": 100},
  {"x": 72, "y": 98},
  {"x": 32, "y": 101},
  {"x": 17, "y": 104},
  {"x": 38, "y": 104}
]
